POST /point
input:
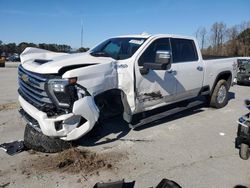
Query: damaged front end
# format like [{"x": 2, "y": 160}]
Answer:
[
  {"x": 57, "y": 90},
  {"x": 55, "y": 106}
]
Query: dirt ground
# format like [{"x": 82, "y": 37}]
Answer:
[{"x": 193, "y": 148}]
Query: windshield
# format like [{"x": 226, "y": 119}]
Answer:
[{"x": 118, "y": 48}]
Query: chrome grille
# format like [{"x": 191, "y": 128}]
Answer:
[{"x": 32, "y": 89}]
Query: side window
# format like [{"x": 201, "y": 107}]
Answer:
[
  {"x": 183, "y": 50},
  {"x": 150, "y": 53}
]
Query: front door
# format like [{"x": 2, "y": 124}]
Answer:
[{"x": 156, "y": 87}]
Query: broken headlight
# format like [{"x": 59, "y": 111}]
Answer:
[{"x": 63, "y": 92}]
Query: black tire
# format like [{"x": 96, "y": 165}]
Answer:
[
  {"x": 214, "y": 97},
  {"x": 165, "y": 183},
  {"x": 39, "y": 142},
  {"x": 244, "y": 152}
]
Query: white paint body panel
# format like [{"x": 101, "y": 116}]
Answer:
[
  {"x": 59, "y": 60},
  {"x": 104, "y": 73},
  {"x": 214, "y": 67}
]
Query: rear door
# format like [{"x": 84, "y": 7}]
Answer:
[{"x": 190, "y": 68}]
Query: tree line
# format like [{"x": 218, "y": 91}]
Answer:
[
  {"x": 220, "y": 40},
  {"x": 12, "y": 48}
]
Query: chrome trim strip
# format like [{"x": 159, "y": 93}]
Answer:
[
  {"x": 32, "y": 82},
  {"x": 42, "y": 99},
  {"x": 30, "y": 98},
  {"x": 27, "y": 86},
  {"x": 32, "y": 75}
]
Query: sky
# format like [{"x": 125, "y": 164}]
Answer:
[{"x": 59, "y": 21}]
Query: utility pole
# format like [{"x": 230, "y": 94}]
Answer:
[{"x": 81, "y": 33}]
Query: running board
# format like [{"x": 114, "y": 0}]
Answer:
[{"x": 162, "y": 115}]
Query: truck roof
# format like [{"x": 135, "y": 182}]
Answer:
[{"x": 146, "y": 35}]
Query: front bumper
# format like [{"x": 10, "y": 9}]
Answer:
[{"x": 71, "y": 126}]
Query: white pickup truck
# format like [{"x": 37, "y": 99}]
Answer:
[{"x": 62, "y": 96}]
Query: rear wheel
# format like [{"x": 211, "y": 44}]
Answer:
[
  {"x": 39, "y": 142},
  {"x": 219, "y": 97},
  {"x": 244, "y": 152}
]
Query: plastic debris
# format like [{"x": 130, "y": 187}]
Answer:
[
  {"x": 117, "y": 184},
  {"x": 13, "y": 148}
]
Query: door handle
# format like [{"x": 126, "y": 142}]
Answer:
[
  {"x": 171, "y": 71},
  {"x": 199, "y": 68}
]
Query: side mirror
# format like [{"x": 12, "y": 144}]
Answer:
[
  {"x": 163, "y": 57},
  {"x": 162, "y": 62}
]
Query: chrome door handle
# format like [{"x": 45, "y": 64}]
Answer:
[
  {"x": 171, "y": 71},
  {"x": 199, "y": 68}
]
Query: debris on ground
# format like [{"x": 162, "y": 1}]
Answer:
[
  {"x": 165, "y": 183},
  {"x": 9, "y": 106},
  {"x": 117, "y": 184},
  {"x": 13, "y": 148},
  {"x": 5, "y": 185},
  {"x": 74, "y": 161},
  {"x": 136, "y": 140}
]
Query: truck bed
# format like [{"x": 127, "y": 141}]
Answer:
[{"x": 214, "y": 67}]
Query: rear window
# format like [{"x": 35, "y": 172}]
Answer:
[{"x": 183, "y": 50}]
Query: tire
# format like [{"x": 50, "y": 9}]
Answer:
[
  {"x": 165, "y": 183},
  {"x": 39, "y": 142},
  {"x": 218, "y": 100},
  {"x": 244, "y": 152}
]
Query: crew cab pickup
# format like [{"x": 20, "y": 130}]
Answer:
[{"x": 63, "y": 95}]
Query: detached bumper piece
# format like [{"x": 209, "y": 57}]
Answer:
[
  {"x": 165, "y": 183},
  {"x": 13, "y": 148},
  {"x": 243, "y": 133},
  {"x": 117, "y": 184}
]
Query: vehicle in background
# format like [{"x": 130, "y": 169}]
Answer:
[
  {"x": 62, "y": 96},
  {"x": 243, "y": 75},
  {"x": 2, "y": 61},
  {"x": 13, "y": 58},
  {"x": 242, "y": 141}
]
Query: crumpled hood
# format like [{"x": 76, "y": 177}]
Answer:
[{"x": 47, "y": 62}]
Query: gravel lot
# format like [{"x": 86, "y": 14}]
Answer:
[{"x": 195, "y": 148}]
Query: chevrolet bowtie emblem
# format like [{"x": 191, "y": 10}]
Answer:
[{"x": 25, "y": 78}]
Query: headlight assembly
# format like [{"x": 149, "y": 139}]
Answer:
[{"x": 63, "y": 92}]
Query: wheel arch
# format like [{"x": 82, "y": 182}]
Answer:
[
  {"x": 225, "y": 75},
  {"x": 116, "y": 94}
]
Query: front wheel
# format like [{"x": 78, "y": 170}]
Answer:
[
  {"x": 219, "y": 97},
  {"x": 39, "y": 142},
  {"x": 244, "y": 151}
]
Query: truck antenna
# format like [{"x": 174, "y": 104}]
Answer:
[{"x": 81, "y": 32}]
